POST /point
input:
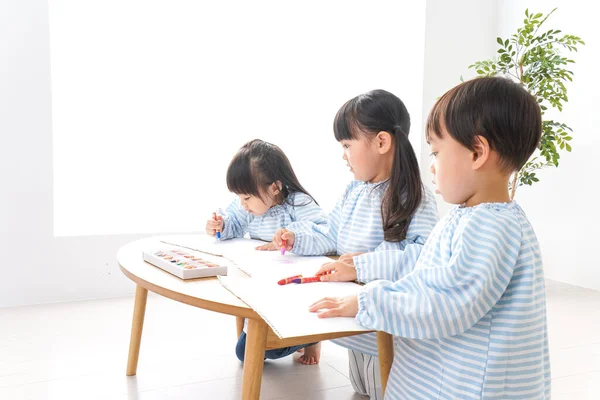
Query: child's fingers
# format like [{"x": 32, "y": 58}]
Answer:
[
  {"x": 328, "y": 277},
  {"x": 277, "y": 238},
  {"x": 267, "y": 247},
  {"x": 332, "y": 312},
  {"x": 348, "y": 258},
  {"x": 327, "y": 302},
  {"x": 326, "y": 269},
  {"x": 210, "y": 228}
]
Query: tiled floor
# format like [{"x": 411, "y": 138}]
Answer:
[{"x": 79, "y": 351}]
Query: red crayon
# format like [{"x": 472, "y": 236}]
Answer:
[
  {"x": 289, "y": 280},
  {"x": 308, "y": 279}
]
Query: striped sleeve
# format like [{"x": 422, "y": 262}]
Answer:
[
  {"x": 391, "y": 261},
  {"x": 446, "y": 300},
  {"x": 306, "y": 210},
  {"x": 312, "y": 239},
  {"x": 235, "y": 223}
]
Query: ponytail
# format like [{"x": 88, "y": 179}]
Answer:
[
  {"x": 405, "y": 190},
  {"x": 381, "y": 111}
]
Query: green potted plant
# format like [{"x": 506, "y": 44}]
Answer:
[{"x": 535, "y": 60}]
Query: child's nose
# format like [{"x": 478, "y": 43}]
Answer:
[{"x": 432, "y": 166}]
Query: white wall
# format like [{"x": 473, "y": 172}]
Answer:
[
  {"x": 457, "y": 33},
  {"x": 562, "y": 206},
  {"x": 36, "y": 267},
  {"x": 125, "y": 100}
]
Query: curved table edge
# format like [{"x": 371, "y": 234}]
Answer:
[{"x": 192, "y": 301}]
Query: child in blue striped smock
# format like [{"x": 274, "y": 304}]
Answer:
[
  {"x": 269, "y": 198},
  {"x": 470, "y": 320},
  {"x": 382, "y": 220}
]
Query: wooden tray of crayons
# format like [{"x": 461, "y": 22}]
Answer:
[{"x": 187, "y": 264}]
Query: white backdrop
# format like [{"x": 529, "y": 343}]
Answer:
[{"x": 151, "y": 99}]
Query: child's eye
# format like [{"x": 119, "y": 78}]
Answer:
[
  {"x": 433, "y": 154},
  {"x": 345, "y": 146},
  {"x": 246, "y": 198}
]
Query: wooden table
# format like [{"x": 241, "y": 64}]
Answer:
[{"x": 207, "y": 293}]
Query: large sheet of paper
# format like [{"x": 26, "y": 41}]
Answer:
[{"x": 283, "y": 307}]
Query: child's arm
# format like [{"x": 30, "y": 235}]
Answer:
[
  {"x": 392, "y": 260},
  {"x": 445, "y": 301},
  {"x": 306, "y": 210},
  {"x": 236, "y": 221},
  {"x": 312, "y": 239},
  {"x": 317, "y": 236}
]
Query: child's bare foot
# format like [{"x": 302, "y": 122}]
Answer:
[
  {"x": 301, "y": 351},
  {"x": 311, "y": 355}
]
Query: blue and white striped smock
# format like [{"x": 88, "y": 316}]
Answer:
[
  {"x": 355, "y": 225},
  {"x": 238, "y": 222},
  {"x": 470, "y": 320}
]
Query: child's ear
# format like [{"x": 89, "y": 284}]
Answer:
[
  {"x": 383, "y": 142},
  {"x": 276, "y": 188},
  {"x": 481, "y": 151}
]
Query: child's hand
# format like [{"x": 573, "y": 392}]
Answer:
[
  {"x": 336, "y": 307},
  {"x": 267, "y": 247},
  {"x": 337, "y": 272},
  {"x": 288, "y": 236},
  {"x": 213, "y": 226},
  {"x": 348, "y": 258}
]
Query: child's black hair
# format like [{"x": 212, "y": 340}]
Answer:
[
  {"x": 365, "y": 116},
  {"x": 498, "y": 109},
  {"x": 259, "y": 164}
]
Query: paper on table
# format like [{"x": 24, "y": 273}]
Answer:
[
  {"x": 251, "y": 261},
  {"x": 285, "y": 308},
  {"x": 271, "y": 264},
  {"x": 232, "y": 249}
]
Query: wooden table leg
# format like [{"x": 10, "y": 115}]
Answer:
[
  {"x": 139, "y": 310},
  {"x": 239, "y": 322},
  {"x": 254, "y": 359},
  {"x": 385, "y": 348}
]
